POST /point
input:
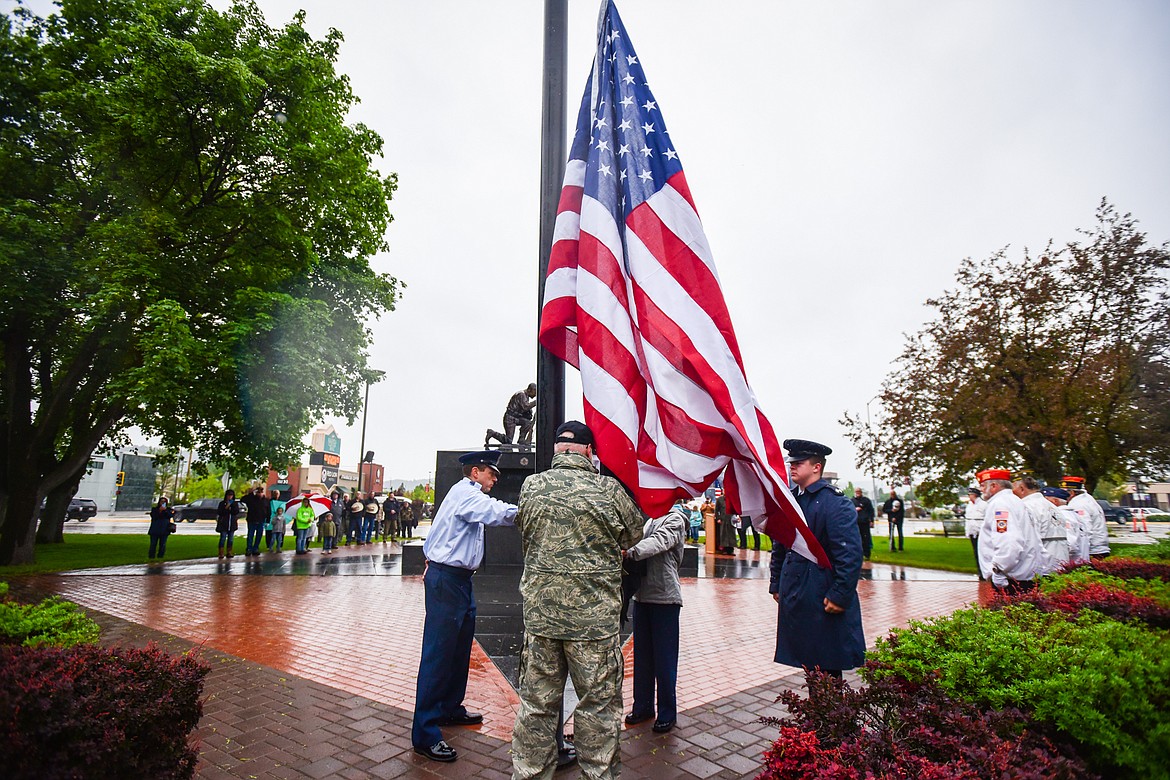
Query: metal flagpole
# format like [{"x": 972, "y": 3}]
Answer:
[{"x": 550, "y": 371}]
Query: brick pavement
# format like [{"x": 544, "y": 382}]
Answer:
[{"x": 313, "y": 676}]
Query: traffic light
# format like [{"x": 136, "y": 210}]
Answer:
[{"x": 121, "y": 480}]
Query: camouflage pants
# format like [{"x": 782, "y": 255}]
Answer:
[{"x": 596, "y": 670}]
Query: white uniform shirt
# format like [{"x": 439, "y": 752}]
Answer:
[
  {"x": 1078, "y": 535},
  {"x": 974, "y": 516},
  {"x": 456, "y": 536},
  {"x": 1093, "y": 519},
  {"x": 1009, "y": 546},
  {"x": 1050, "y": 526}
]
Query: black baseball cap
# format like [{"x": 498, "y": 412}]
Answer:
[{"x": 574, "y": 432}]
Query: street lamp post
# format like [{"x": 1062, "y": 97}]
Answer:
[
  {"x": 868, "y": 426},
  {"x": 371, "y": 377}
]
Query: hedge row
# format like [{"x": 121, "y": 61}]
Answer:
[{"x": 1072, "y": 680}]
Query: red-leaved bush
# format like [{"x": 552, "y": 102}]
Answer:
[
  {"x": 1127, "y": 568},
  {"x": 96, "y": 713},
  {"x": 1111, "y": 602},
  {"x": 898, "y": 729}
]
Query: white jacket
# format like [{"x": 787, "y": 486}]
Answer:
[
  {"x": 1093, "y": 519},
  {"x": 1078, "y": 535},
  {"x": 974, "y": 516},
  {"x": 1009, "y": 546},
  {"x": 1051, "y": 528}
]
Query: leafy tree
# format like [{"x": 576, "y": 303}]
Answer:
[
  {"x": 186, "y": 222},
  {"x": 1051, "y": 363}
]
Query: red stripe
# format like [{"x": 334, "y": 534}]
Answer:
[
  {"x": 687, "y": 268},
  {"x": 571, "y": 195},
  {"x": 679, "y": 183}
]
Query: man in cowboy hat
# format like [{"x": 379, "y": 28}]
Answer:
[
  {"x": 454, "y": 550},
  {"x": 1090, "y": 513}
]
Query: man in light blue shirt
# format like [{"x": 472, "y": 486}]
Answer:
[{"x": 454, "y": 550}]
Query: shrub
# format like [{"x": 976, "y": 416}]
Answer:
[
  {"x": 1157, "y": 590},
  {"x": 1132, "y": 568},
  {"x": 896, "y": 729},
  {"x": 97, "y": 713},
  {"x": 1101, "y": 683},
  {"x": 1113, "y": 602},
  {"x": 52, "y": 622}
]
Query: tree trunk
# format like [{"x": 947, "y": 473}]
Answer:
[
  {"x": 18, "y": 529},
  {"x": 51, "y": 529}
]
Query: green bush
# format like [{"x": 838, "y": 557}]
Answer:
[
  {"x": 54, "y": 623},
  {"x": 1099, "y": 682}
]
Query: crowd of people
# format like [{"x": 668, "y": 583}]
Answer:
[
  {"x": 1021, "y": 530},
  {"x": 270, "y": 517}
]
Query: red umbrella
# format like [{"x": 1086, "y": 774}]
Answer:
[{"x": 319, "y": 503}]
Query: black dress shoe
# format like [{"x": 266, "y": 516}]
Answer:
[
  {"x": 466, "y": 719},
  {"x": 440, "y": 751},
  {"x": 662, "y": 726},
  {"x": 634, "y": 718}
]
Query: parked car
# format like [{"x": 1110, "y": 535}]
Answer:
[
  {"x": 1117, "y": 514},
  {"x": 1146, "y": 512},
  {"x": 201, "y": 509},
  {"x": 81, "y": 509}
]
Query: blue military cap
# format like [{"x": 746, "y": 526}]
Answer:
[
  {"x": 487, "y": 458},
  {"x": 1056, "y": 492},
  {"x": 800, "y": 449}
]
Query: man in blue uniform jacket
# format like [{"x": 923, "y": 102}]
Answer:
[{"x": 819, "y": 623}]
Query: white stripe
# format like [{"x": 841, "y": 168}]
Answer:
[
  {"x": 598, "y": 301},
  {"x": 676, "y": 213},
  {"x": 574, "y": 174},
  {"x": 608, "y": 398},
  {"x": 598, "y": 222},
  {"x": 655, "y": 478},
  {"x": 561, "y": 283},
  {"x": 567, "y": 227},
  {"x": 688, "y": 465}
]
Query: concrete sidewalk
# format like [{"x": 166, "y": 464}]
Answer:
[{"x": 313, "y": 676}]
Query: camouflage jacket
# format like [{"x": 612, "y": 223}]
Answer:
[{"x": 574, "y": 523}]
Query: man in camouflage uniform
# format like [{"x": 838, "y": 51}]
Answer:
[{"x": 574, "y": 524}]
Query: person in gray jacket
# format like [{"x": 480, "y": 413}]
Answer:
[{"x": 657, "y": 603}]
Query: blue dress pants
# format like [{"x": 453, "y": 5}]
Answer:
[
  {"x": 656, "y": 659},
  {"x": 446, "y": 651}
]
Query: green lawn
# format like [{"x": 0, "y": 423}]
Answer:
[
  {"x": 85, "y": 551},
  {"x": 926, "y": 552}
]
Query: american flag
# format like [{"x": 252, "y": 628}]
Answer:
[{"x": 632, "y": 300}]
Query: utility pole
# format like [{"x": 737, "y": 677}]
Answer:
[{"x": 550, "y": 370}]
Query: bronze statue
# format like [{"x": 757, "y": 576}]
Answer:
[{"x": 517, "y": 415}]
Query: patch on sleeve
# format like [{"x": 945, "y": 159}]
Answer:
[{"x": 1001, "y": 518}]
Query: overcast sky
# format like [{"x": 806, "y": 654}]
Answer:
[{"x": 844, "y": 158}]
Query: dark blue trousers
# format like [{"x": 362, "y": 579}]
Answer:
[
  {"x": 446, "y": 651},
  {"x": 655, "y": 659}
]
